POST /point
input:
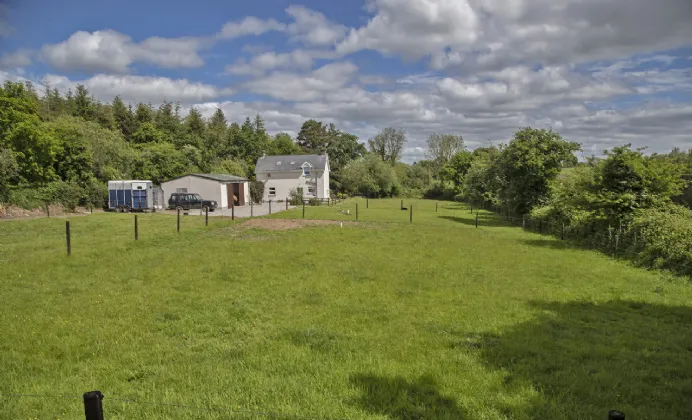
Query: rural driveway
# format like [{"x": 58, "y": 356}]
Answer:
[{"x": 242, "y": 211}]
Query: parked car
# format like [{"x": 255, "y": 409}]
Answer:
[{"x": 187, "y": 201}]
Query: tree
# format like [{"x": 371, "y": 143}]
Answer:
[
  {"x": 160, "y": 162},
  {"x": 370, "y": 176},
  {"x": 388, "y": 145},
  {"x": 167, "y": 121},
  {"x": 83, "y": 104},
  {"x": 214, "y": 139},
  {"x": 144, "y": 114},
  {"x": 312, "y": 137},
  {"x": 441, "y": 148},
  {"x": 527, "y": 165},
  {"x": 231, "y": 167},
  {"x": 456, "y": 169},
  {"x": 9, "y": 170},
  {"x": 283, "y": 144},
  {"x": 256, "y": 191},
  {"x": 147, "y": 133},
  {"x": 123, "y": 117},
  {"x": 627, "y": 181}
]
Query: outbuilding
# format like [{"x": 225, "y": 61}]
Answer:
[{"x": 227, "y": 190}]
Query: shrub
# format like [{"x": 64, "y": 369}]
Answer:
[
  {"x": 69, "y": 194},
  {"x": 294, "y": 197},
  {"x": 315, "y": 202},
  {"x": 256, "y": 191},
  {"x": 440, "y": 191}
]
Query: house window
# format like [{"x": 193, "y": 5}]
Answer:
[
  {"x": 306, "y": 169},
  {"x": 311, "y": 190},
  {"x": 272, "y": 192},
  {"x": 181, "y": 190}
]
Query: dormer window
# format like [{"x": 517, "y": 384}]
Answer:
[{"x": 306, "y": 169}]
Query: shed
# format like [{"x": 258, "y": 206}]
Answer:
[{"x": 217, "y": 187}]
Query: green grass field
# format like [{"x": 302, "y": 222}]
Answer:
[{"x": 376, "y": 320}]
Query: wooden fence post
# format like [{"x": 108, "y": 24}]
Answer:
[
  {"x": 402, "y": 205},
  {"x": 411, "y": 214},
  {"x": 136, "y": 229},
  {"x": 476, "y": 220},
  {"x": 68, "y": 239},
  {"x": 303, "y": 200},
  {"x": 93, "y": 407},
  {"x": 356, "y": 211},
  {"x": 178, "y": 220},
  {"x": 437, "y": 204},
  {"x": 270, "y": 207},
  {"x": 286, "y": 203},
  {"x": 47, "y": 209}
]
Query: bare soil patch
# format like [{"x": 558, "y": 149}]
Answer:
[
  {"x": 56, "y": 210},
  {"x": 287, "y": 224}
]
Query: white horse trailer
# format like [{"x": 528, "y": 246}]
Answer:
[{"x": 125, "y": 196}]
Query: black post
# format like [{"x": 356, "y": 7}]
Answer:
[
  {"x": 67, "y": 237},
  {"x": 206, "y": 216},
  {"x": 47, "y": 209},
  {"x": 270, "y": 207},
  {"x": 367, "y": 202},
  {"x": 93, "y": 407},
  {"x": 303, "y": 208},
  {"x": 136, "y": 229},
  {"x": 356, "y": 211},
  {"x": 178, "y": 220},
  {"x": 286, "y": 203},
  {"x": 437, "y": 204},
  {"x": 411, "y": 214},
  {"x": 402, "y": 205},
  {"x": 616, "y": 415},
  {"x": 471, "y": 207},
  {"x": 91, "y": 209},
  {"x": 252, "y": 209},
  {"x": 476, "y": 220}
]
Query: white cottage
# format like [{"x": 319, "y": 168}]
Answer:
[
  {"x": 216, "y": 187},
  {"x": 307, "y": 174}
]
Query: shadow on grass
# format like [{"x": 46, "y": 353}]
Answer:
[
  {"x": 550, "y": 243},
  {"x": 483, "y": 221},
  {"x": 585, "y": 359},
  {"x": 398, "y": 398}
]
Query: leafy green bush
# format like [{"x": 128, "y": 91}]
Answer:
[
  {"x": 257, "y": 191},
  {"x": 294, "y": 197},
  {"x": 315, "y": 202},
  {"x": 69, "y": 194},
  {"x": 440, "y": 191},
  {"x": 26, "y": 198}
]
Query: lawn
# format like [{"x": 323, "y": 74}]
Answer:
[{"x": 380, "y": 319}]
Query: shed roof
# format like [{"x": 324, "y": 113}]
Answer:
[
  {"x": 229, "y": 179},
  {"x": 287, "y": 163}
]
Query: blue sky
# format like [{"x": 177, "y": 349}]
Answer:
[{"x": 603, "y": 73}]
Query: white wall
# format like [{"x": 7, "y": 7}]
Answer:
[
  {"x": 284, "y": 182},
  {"x": 207, "y": 188}
]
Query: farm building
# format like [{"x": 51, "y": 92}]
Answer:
[
  {"x": 307, "y": 174},
  {"x": 227, "y": 190}
]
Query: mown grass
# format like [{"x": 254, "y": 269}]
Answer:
[{"x": 387, "y": 319}]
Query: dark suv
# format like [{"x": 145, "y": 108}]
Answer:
[{"x": 187, "y": 201}]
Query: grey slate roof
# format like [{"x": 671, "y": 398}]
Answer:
[
  {"x": 290, "y": 163},
  {"x": 215, "y": 177}
]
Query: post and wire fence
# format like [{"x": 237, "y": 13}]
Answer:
[{"x": 96, "y": 409}]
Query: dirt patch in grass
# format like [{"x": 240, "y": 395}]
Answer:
[{"x": 287, "y": 224}]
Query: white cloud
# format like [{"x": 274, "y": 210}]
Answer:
[
  {"x": 296, "y": 87},
  {"x": 249, "y": 26},
  {"x": 114, "y": 52},
  {"x": 17, "y": 59},
  {"x": 139, "y": 88},
  {"x": 494, "y": 34},
  {"x": 313, "y": 28}
]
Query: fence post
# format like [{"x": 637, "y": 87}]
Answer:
[
  {"x": 617, "y": 242},
  {"x": 402, "y": 205},
  {"x": 286, "y": 203},
  {"x": 476, "y": 220},
  {"x": 270, "y": 207},
  {"x": 47, "y": 209},
  {"x": 252, "y": 209},
  {"x": 303, "y": 208},
  {"x": 178, "y": 220},
  {"x": 562, "y": 235},
  {"x": 136, "y": 229},
  {"x": 68, "y": 239},
  {"x": 411, "y": 215},
  {"x": 367, "y": 202},
  {"x": 356, "y": 211},
  {"x": 616, "y": 415},
  {"x": 540, "y": 227},
  {"x": 437, "y": 204},
  {"x": 523, "y": 221},
  {"x": 93, "y": 407},
  {"x": 471, "y": 207},
  {"x": 206, "y": 216}
]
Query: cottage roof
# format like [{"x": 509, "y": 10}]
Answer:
[{"x": 288, "y": 163}]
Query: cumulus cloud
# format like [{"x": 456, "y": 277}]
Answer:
[
  {"x": 313, "y": 28},
  {"x": 249, "y": 26},
  {"x": 139, "y": 88},
  {"x": 296, "y": 87},
  {"x": 17, "y": 59},
  {"x": 493, "y": 34},
  {"x": 114, "y": 52}
]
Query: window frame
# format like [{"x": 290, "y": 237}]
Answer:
[{"x": 270, "y": 192}]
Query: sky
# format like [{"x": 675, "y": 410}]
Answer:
[{"x": 600, "y": 72}]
